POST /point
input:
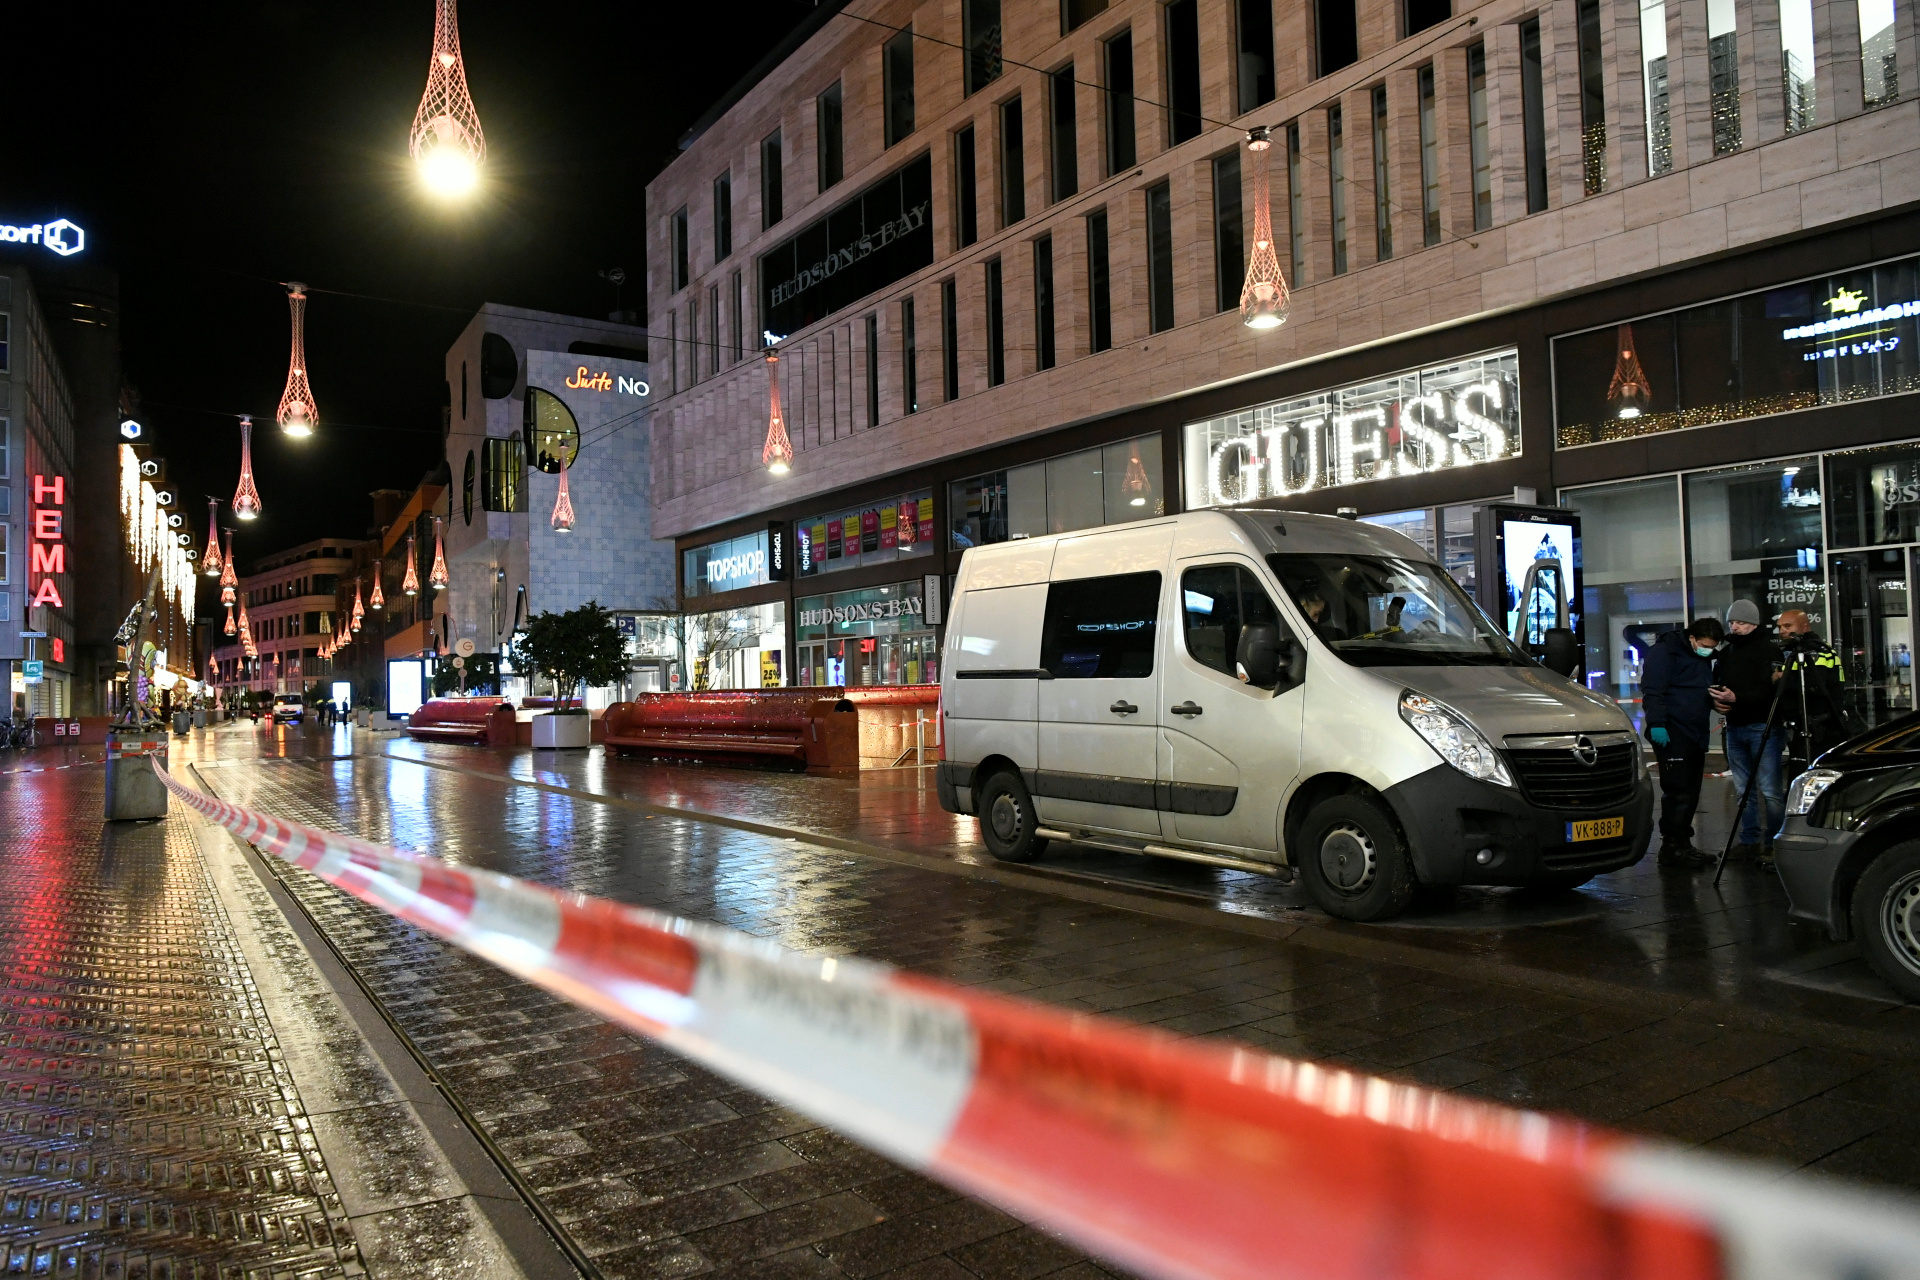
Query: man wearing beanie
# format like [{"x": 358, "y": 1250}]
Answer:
[{"x": 1743, "y": 690}]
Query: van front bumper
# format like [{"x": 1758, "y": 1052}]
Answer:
[
  {"x": 1449, "y": 818},
  {"x": 1808, "y": 859}
]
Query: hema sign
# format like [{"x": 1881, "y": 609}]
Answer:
[
  {"x": 61, "y": 236},
  {"x": 881, "y": 235}
]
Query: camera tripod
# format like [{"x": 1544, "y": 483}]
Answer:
[{"x": 1803, "y": 730}]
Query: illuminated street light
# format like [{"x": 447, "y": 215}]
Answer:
[
  {"x": 298, "y": 414},
  {"x": 1264, "y": 299},
  {"x": 777, "y": 454},
  {"x": 446, "y": 143}
]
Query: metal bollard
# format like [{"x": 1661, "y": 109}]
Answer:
[{"x": 134, "y": 790}]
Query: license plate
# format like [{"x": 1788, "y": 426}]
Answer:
[{"x": 1596, "y": 829}]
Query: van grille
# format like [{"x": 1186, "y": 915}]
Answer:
[{"x": 1555, "y": 778}]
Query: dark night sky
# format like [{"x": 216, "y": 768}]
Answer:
[{"x": 212, "y": 150}]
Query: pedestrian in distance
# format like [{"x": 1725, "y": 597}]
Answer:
[
  {"x": 1745, "y": 678},
  {"x": 1674, "y": 694}
]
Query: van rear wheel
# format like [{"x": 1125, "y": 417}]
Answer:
[
  {"x": 1007, "y": 821},
  {"x": 1353, "y": 860}
]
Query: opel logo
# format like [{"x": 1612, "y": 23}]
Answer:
[{"x": 1584, "y": 751}]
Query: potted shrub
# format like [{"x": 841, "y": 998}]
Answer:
[{"x": 579, "y": 647}]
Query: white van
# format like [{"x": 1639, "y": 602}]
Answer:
[{"x": 1268, "y": 690}]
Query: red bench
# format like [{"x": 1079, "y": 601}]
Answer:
[
  {"x": 796, "y": 725},
  {"x": 484, "y": 721}
]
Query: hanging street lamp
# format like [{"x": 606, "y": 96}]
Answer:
[
  {"x": 298, "y": 415},
  {"x": 246, "y": 498},
  {"x": 777, "y": 454},
  {"x": 210, "y": 563},
  {"x": 377, "y": 600},
  {"x": 446, "y": 143},
  {"x": 437, "y": 576},
  {"x": 229, "y": 581},
  {"x": 1264, "y": 299},
  {"x": 410, "y": 581}
]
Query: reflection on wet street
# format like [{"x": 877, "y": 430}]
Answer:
[{"x": 1647, "y": 999}]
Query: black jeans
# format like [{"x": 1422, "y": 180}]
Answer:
[{"x": 1682, "y": 764}]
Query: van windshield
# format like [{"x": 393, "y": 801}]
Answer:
[{"x": 1382, "y": 611}]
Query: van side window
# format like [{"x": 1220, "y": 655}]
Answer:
[
  {"x": 1101, "y": 628},
  {"x": 1216, "y": 601}
]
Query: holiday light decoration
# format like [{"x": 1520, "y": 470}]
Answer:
[
  {"x": 1629, "y": 393},
  {"x": 231, "y": 629},
  {"x": 246, "y": 498},
  {"x": 210, "y": 565},
  {"x": 298, "y": 414},
  {"x": 437, "y": 576},
  {"x": 1264, "y": 298},
  {"x": 229, "y": 580},
  {"x": 246, "y": 633},
  {"x": 410, "y": 581},
  {"x": 446, "y": 143},
  {"x": 777, "y": 454},
  {"x": 377, "y": 599},
  {"x": 151, "y": 539},
  {"x": 359, "y": 610}
]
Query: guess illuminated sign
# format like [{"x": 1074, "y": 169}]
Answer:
[
  {"x": 583, "y": 379},
  {"x": 61, "y": 236},
  {"x": 1426, "y": 420},
  {"x": 47, "y": 550}
]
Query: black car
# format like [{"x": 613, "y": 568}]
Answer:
[{"x": 1849, "y": 852}]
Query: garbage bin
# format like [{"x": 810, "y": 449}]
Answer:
[
  {"x": 199, "y": 717},
  {"x": 182, "y": 721},
  {"x": 360, "y": 717},
  {"x": 134, "y": 790}
]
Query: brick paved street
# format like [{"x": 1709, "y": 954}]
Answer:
[{"x": 1646, "y": 1000}]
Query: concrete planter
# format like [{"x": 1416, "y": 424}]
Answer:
[{"x": 553, "y": 730}]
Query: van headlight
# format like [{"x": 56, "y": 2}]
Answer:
[
  {"x": 1808, "y": 788},
  {"x": 1453, "y": 739}
]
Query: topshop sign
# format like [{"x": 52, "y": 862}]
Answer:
[
  {"x": 61, "y": 236},
  {"x": 1425, "y": 420}
]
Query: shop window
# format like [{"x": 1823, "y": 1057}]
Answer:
[
  {"x": 1120, "y": 133},
  {"x": 1659, "y": 100},
  {"x": 1101, "y": 628},
  {"x": 723, "y": 215},
  {"x": 503, "y": 470},
  {"x": 1533, "y": 114},
  {"x": 965, "y": 192},
  {"x": 728, "y": 565},
  {"x": 830, "y": 155},
  {"x": 1593, "y": 100},
  {"x": 1879, "y": 54},
  {"x": 1754, "y": 534},
  {"x": 981, "y": 35},
  {"x": 1416, "y": 525},
  {"x": 1796, "y": 65},
  {"x": 1873, "y": 632},
  {"x": 1631, "y": 578},
  {"x": 1013, "y": 165},
  {"x": 1109, "y": 485},
  {"x": 897, "y": 529},
  {"x": 1043, "y": 302},
  {"x": 1874, "y": 496},
  {"x": 897, "y": 68},
  {"x": 1229, "y": 233},
  {"x": 1382, "y": 199},
  {"x": 1159, "y": 258},
  {"x": 1848, "y": 337},
  {"x": 1253, "y": 26},
  {"x": 1063, "y": 147},
  {"x": 740, "y": 648},
  {"x": 1183, "y": 70},
  {"x": 872, "y": 636}
]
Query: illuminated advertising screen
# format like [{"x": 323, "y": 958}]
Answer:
[
  {"x": 1536, "y": 596},
  {"x": 406, "y": 685}
]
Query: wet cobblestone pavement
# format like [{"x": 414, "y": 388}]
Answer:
[
  {"x": 1646, "y": 1001},
  {"x": 659, "y": 1169},
  {"x": 149, "y": 1125}
]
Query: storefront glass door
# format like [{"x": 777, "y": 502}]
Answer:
[{"x": 1873, "y": 634}]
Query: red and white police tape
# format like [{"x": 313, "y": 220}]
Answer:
[{"x": 1182, "y": 1159}]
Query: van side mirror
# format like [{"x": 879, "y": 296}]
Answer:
[
  {"x": 1258, "y": 655},
  {"x": 1561, "y": 654}
]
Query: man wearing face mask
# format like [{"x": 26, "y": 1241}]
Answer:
[{"x": 1675, "y": 695}]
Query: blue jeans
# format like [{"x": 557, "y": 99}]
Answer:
[{"x": 1743, "y": 748}]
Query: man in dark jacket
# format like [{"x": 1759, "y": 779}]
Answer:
[
  {"x": 1674, "y": 695},
  {"x": 1744, "y": 681}
]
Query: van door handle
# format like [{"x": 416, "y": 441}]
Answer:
[
  {"x": 1188, "y": 708},
  {"x": 1123, "y": 708}
]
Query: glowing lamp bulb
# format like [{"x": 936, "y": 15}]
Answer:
[
  {"x": 447, "y": 170},
  {"x": 1138, "y": 502},
  {"x": 778, "y": 468}
]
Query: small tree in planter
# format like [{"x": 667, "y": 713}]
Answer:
[{"x": 580, "y": 646}]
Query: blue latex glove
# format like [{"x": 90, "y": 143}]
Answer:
[{"x": 1659, "y": 737}]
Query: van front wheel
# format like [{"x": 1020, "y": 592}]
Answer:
[
  {"x": 1353, "y": 859},
  {"x": 1007, "y": 821}
]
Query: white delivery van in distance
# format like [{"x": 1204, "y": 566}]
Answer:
[{"x": 1266, "y": 689}]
